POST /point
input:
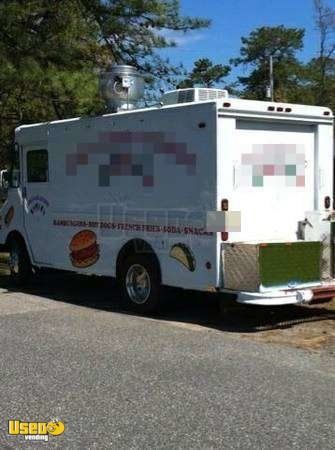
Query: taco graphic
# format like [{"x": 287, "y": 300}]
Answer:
[
  {"x": 84, "y": 250},
  {"x": 184, "y": 255}
]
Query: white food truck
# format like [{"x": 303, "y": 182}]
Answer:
[{"x": 202, "y": 192}]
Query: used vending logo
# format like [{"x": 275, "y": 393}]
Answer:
[{"x": 36, "y": 431}]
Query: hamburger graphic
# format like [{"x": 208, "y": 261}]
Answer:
[
  {"x": 84, "y": 249},
  {"x": 9, "y": 216}
]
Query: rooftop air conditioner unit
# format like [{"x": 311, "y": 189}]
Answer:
[{"x": 193, "y": 95}]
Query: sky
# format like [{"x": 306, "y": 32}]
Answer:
[{"x": 232, "y": 19}]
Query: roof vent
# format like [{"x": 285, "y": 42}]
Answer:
[
  {"x": 121, "y": 87},
  {"x": 193, "y": 95}
]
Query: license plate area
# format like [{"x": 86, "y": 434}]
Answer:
[{"x": 265, "y": 266}]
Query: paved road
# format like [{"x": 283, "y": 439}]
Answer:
[{"x": 123, "y": 381}]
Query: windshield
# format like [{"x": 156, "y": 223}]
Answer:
[{"x": 14, "y": 175}]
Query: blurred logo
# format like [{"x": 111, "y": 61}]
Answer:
[
  {"x": 36, "y": 431},
  {"x": 38, "y": 205}
]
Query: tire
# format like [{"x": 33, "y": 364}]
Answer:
[
  {"x": 140, "y": 283},
  {"x": 19, "y": 262}
]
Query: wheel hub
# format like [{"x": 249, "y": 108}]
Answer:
[{"x": 138, "y": 284}]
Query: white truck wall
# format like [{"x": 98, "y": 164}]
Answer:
[
  {"x": 293, "y": 164},
  {"x": 324, "y": 173},
  {"x": 156, "y": 168}
]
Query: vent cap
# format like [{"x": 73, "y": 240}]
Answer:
[{"x": 121, "y": 87}]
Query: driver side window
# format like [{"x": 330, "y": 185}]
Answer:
[{"x": 37, "y": 166}]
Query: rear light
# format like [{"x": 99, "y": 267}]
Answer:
[
  {"x": 326, "y": 113},
  {"x": 280, "y": 109},
  {"x": 288, "y": 110},
  {"x": 224, "y": 207},
  {"x": 224, "y": 204},
  {"x": 327, "y": 202},
  {"x": 271, "y": 108},
  {"x": 227, "y": 105},
  {"x": 224, "y": 236}
]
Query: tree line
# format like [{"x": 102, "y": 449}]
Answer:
[{"x": 51, "y": 53}]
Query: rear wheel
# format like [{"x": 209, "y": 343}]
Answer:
[
  {"x": 19, "y": 262},
  {"x": 139, "y": 282}
]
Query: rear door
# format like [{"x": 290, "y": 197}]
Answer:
[{"x": 273, "y": 177}]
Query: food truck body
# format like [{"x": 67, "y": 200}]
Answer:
[{"x": 220, "y": 194}]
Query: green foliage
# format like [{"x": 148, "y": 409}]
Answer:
[
  {"x": 311, "y": 83},
  {"x": 320, "y": 71},
  {"x": 317, "y": 86},
  {"x": 282, "y": 44},
  {"x": 205, "y": 73},
  {"x": 51, "y": 53}
]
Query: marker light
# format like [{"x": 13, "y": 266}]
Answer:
[
  {"x": 224, "y": 236},
  {"x": 224, "y": 204},
  {"x": 224, "y": 207}
]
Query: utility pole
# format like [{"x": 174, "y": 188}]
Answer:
[{"x": 270, "y": 88}]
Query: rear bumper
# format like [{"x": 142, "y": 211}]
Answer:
[
  {"x": 282, "y": 297},
  {"x": 297, "y": 297}
]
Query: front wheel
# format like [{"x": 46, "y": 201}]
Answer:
[
  {"x": 139, "y": 282},
  {"x": 19, "y": 262}
]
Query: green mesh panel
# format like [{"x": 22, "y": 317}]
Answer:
[{"x": 289, "y": 264}]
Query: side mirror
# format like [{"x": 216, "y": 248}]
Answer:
[{"x": 4, "y": 180}]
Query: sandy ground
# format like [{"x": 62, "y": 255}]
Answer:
[{"x": 315, "y": 334}]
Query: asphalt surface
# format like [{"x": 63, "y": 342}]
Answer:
[{"x": 117, "y": 380}]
